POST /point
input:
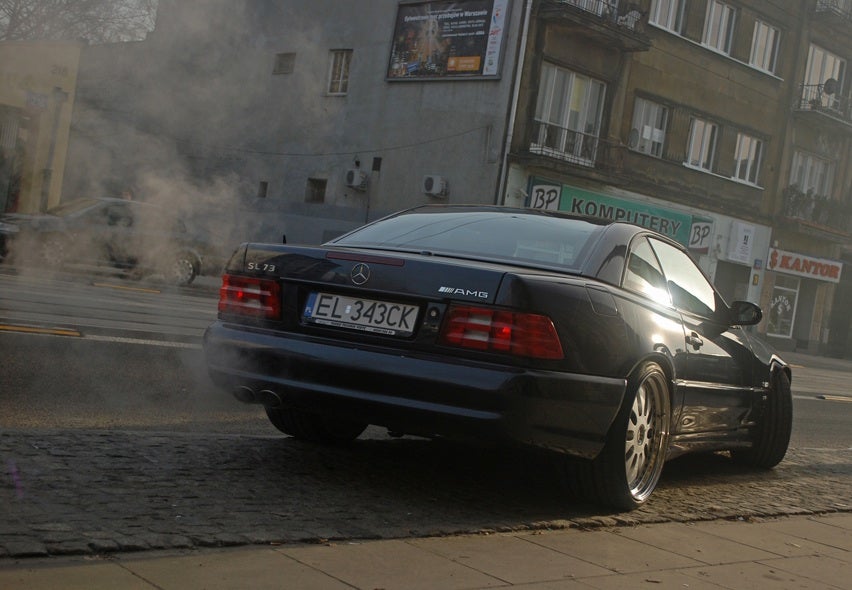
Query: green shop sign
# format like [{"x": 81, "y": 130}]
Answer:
[{"x": 671, "y": 223}]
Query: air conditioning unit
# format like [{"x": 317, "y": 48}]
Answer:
[
  {"x": 435, "y": 186},
  {"x": 356, "y": 179}
]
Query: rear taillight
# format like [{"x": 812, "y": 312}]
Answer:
[
  {"x": 250, "y": 296},
  {"x": 520, "y": 334}
]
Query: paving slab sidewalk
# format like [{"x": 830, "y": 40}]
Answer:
[{"x": 792, "y": 552}]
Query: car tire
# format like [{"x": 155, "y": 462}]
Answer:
[
  {"x": 314, "y": 427},
  {"x": 627, "y": 470},
  {"x": 772, "y": 434},
  {"x": 182, "y": 269}
]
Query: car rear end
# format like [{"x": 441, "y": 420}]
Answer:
[
  {"x": 295, "y": 331},
  {"x": 416, "y": 342}
]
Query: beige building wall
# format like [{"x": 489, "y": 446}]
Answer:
[{"x": 37, "y": 88}]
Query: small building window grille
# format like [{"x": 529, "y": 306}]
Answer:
[
  {"x": 284, "y": 63},
  {"x": 315, "y": 192}
]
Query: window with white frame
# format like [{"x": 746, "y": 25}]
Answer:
[
  {"x": 719, "y": 26},
  {"x": 568, "y": 115},
  {"x": 812, "y": 174},
  {"x": 764, "y": 47},
  {"x": 648, "y": 132},
  {"x": 338, "y": 73},
  {"x": 701, "y": 149},
  {"x": 667, "y": 14},
  {"x": 822, "y": 66},
  {"x": 747, "y": 158}
]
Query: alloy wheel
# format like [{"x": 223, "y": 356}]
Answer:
[{"x": 645, "y": 436}]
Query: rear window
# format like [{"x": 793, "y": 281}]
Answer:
[{"x": 527, "y": 238}]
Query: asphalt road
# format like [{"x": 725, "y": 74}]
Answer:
[{"x": 113, "y": 439}]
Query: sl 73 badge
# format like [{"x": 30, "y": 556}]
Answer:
[{"x": 261, "y": 266}]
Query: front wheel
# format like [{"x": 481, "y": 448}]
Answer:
[
  {"x": 772, "y": 434},
  {"x": 629, "y": 466},
  {"x": 314, "y": 427}
]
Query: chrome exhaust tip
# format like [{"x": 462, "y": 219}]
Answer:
[
  {"x": 270, "y": 399},
  {"x": 244, "y": 394}
]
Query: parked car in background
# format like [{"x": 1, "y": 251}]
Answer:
[
  {"x": 119, "y": 236},
  {"x": 598, "y": 340}
]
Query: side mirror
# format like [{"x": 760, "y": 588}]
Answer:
[{"x": 745, "y": 313}]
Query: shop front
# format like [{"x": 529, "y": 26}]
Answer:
[{"x": 799, "y": 289}]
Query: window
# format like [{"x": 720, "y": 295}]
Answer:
[
  {"x": 812, "y": 174},
  {"x": 782, "y": 306},
  {"x": 643, "y": 274},
  {"x": 701, "y": 149},
  {"x": 747, "y": 158},
  {"x": 315, "y": 192},
  {"x": 719, "y": 26},
  {"x": 689, "y": 288},
  {"x": 568, "y": 115},
  {"x": 667, "y": 14},
  {"x": 535, "y": 238},
  {"x": 823, "y": 65},
  {"x": 338, "y": 75},
  {"x": 649, "y": 127},
  {"x": 764, "y": 47}
]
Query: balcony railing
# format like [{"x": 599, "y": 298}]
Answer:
[
  {"x": 564, "y": 144},
  {"x": 815, "y": 97},
  {"x": 841, "y": 8},
  {"x": 817, "y": 209},
  {"x": 628, "y": 15}
]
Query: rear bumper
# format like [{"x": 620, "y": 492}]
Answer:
[{"x": 416, "y": 393}]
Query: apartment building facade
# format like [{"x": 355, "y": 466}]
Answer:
[
  {"x": 725, "y": 125},
  {"x": 709, "y": 121}
]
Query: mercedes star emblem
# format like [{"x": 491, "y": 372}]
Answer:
[{"x": 360, "y": 274}]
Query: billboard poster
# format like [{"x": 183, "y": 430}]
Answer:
[{"x": 446, "y": 40}]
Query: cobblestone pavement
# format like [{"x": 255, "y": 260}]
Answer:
[{"x": 86, "y": 491}]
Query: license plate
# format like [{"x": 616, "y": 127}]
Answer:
[{"x": 368, "y": 315}]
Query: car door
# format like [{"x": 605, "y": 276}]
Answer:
[
  {"x": 717, "y": 379},
  {"x": 89, "y": 232}
]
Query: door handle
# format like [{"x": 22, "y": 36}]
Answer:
[{"x": 694, "y": 340}]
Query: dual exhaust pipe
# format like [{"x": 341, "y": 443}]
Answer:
[{"x": 267, "y": 397}]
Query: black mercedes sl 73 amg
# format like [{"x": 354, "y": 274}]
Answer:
[{"x": 599, "y": 340}]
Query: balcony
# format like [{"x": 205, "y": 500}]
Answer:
[
  {"x": 832, "y": 9},
  {"x": 821, "y": 103},
  {"x": 833, "y": 17},
  {"x": 564, "y": 144},
  {"x": 817, "y": 215},
  {"x": 611, "y": 22},
  {"x": 565, "y": 151}
]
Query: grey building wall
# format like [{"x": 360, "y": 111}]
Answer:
[{"x": 195, "y": 117}]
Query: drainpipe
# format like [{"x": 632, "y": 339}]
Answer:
[{"x": 500, "y": 198}]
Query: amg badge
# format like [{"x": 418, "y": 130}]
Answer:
[{"x": 463, "y": 292}]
